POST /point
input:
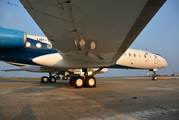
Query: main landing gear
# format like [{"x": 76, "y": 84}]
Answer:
[
  {"x": 76, "y": 80},
  {"x": 86, "y": 81},
  {"x": 79, "y": 82}
]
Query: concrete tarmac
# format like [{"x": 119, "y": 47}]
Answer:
[{"x": 116, "y": 99}]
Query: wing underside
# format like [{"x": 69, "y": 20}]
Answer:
[{"x": 93, "y": 30}]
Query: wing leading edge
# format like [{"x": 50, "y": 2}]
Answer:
[{"x": 96, "y": 31}]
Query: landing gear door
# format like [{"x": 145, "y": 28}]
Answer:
[{"x": 155, "y": 59}]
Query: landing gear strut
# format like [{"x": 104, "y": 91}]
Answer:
[
  {"x": 154, "y": 71},
  {"x": 154, "y": 76}
]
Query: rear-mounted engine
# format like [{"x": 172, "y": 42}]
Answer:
[{"x": 12, "y": 38}]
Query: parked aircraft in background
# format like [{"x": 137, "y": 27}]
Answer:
[
  {"x": 175, "y": 73},
  {"x": 85, "y": 35}
]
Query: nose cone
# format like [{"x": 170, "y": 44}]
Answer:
[{"x": 165, "y": 64}]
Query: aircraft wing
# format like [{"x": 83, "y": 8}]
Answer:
[{"x": 92, "y": 30}]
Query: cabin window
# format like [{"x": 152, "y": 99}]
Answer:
[
  {"x": 145, "y": 56},
  {"x": 139, "y": 55},
  {"x": 129, "y": 54},
  {"x": 28, "y": 44},
  {"x": 38, "y": 45},
  {"x": 134, "y": 55},
  {"x": 49, "y": 46}
]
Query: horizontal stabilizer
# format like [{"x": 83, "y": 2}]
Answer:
[{"x": 16, "y": 64}]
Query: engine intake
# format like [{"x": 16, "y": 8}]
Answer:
[{"x": 12, "y": 38}]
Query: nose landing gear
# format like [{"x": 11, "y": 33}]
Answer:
[{"x": 154, "y": 75}]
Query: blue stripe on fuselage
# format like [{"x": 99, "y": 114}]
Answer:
[
  {"x": 26, "y": 54},
  {"x": 121, "y": 66}
]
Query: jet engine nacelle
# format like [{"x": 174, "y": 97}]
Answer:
[{"x": 12, "y": 38}]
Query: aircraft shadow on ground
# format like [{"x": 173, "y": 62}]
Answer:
[{"x": 42, "y": 87}]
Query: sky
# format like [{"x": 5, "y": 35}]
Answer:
[{"x": 161, "y": 36}]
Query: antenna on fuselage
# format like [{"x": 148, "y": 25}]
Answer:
[{"x": 15, "y": 5}]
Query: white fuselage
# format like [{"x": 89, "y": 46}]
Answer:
[
  {"x": 135, "y": 59},
  {"x": 141, "y": 60}
]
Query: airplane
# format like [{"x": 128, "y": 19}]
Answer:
[
  {"x": 175, "y": 73},
  {"x": 82, "y": 37},
  {"x": 36, "y": 54}
]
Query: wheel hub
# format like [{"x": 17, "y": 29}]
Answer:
[
  {"x": 79, "y": 82},
  {"x": 52, "y": 79},
  {"x": 91, "y": 82},
  {"x": 45, "y": 79}
]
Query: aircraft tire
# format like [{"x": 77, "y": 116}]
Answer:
[
  {"x": 52, "y": 79},
  {"x": 44, "y": 79},
  {"x": 78, "y": 82},
  {"x": 90, "y": 81}
]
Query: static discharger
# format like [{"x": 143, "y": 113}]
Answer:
[{"x": 15, "y": 5}]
